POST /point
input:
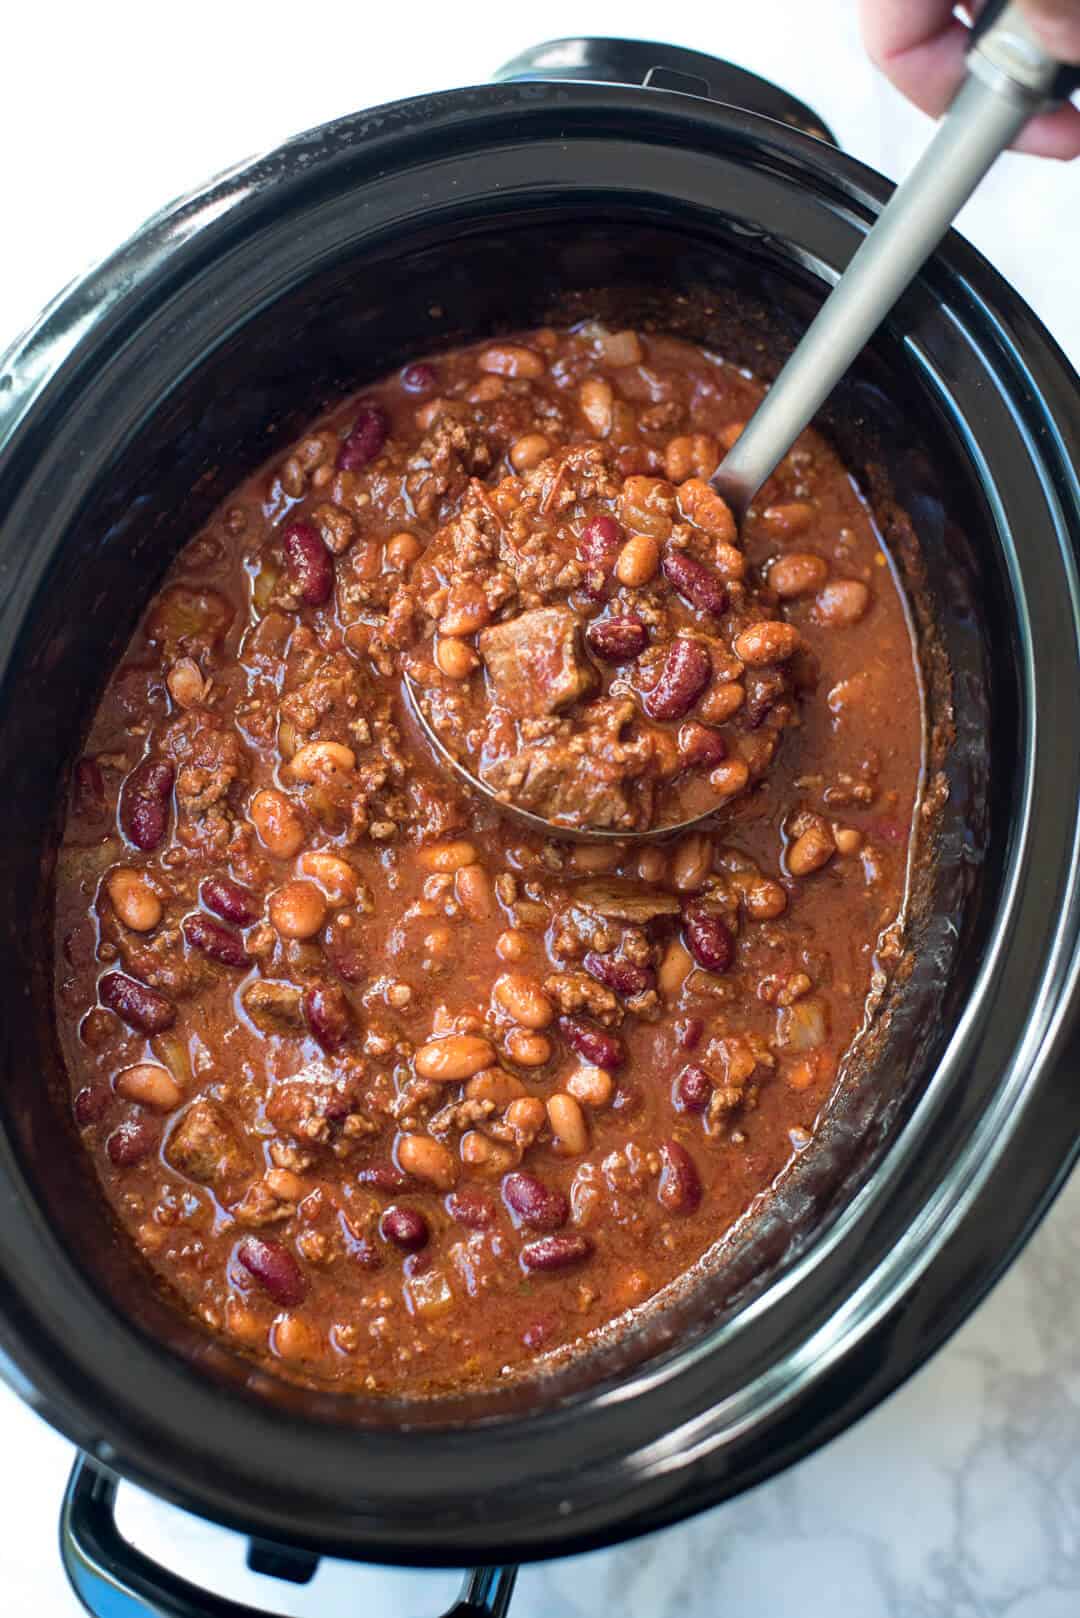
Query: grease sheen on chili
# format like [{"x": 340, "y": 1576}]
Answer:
[{"x": 395, "y": 1096}]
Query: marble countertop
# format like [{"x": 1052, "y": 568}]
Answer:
[{"x": 960, "y": 1496}]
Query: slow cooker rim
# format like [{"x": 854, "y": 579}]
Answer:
[{"x": 607, "y": 94}]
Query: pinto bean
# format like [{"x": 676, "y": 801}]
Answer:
[
  {"x": 596, "y": 398},
  {"x": 279, "y": 823},
  {"x": 134, "y": 900},
  {"x": 447, "y": 856},
  {"x": 686, "y": 672},
  {"x": 150, "y": 1085},
  {"x": 811, "y": 850},
  {"x": 136, "y": 1003},
  {"x": 680, "y": 1185},
  {"x": 638, "y": 560},
  {"x": 427, "y": 1159},
  {"x": 522, "y": 998},
  {"x": 691, "y": 455},
  {"x": 297, "y": 909},
  {"x": 455, "y": 657},
  {"x": 568, "y": 1125},
  {"x": 767, "y": 642},
  {"x": 453, "y": 1058},
  {"x": 511, "y": 359},
  {"x": 701, "y": 505},
  {"x": 798, "y": 574},
  {"x": 675, "y": 968},
  {"x": 692, "y": 862},
  {"x": 334, "y": 875},
  {"x": 528, "y": 451},
  {"x": 592, "y": 1086},
  {"x": 788, "y": 518},
  {"x": 317, "y": 761},
  {"x": 841, "y": 603},
  {"x": 526, "y": 1048}
]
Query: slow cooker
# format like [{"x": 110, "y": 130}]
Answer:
[{"x": 702, "y": 197}]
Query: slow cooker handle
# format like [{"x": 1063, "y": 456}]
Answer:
[
  {"x": 113, "y": 1579},
  {"x": 664, "y": 67}
]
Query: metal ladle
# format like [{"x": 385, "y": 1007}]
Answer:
[{"x": 1010, "y": 78}]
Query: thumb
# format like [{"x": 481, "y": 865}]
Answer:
[{"x": 1057, "y": 25}]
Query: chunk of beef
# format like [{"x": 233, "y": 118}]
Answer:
[
  {"x": 204, "y": 1147},
  {"x": 535, "y": 662}
]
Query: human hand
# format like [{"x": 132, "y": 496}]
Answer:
[{"x": 921, "y": 46}]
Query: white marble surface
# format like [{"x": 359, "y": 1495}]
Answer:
[{"x": 960, "y": 1497}]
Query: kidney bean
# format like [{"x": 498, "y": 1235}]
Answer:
[
  {"x": 628, "y": 1100},
  {"x": 369, "y": 433},
  {"x": 537, "y": 1333},
  {"x": 534, "y": 1203},
  {"x": 616, "y": 640},
  {"x": 136, "y": 1003},
  {"x": 555, "y": 1252},
  {"x": 763, "y": 690},
  {"x": 418, "y": 378},
  {"x": 469, "y": 1208},
  {"x": 680, "y": 1186},
  {"x": 385, "y": 1177},
  {"x": 689, "y": 1032},
  {"x": 405, "y": 1227},
  {"x": 229, "y": 900},
  {"x": 600, "y": 542},
  {"x": 144, "y": 802},
  {"x": 699, "y": 746},
  {"x": 625, "y": 978},
  {"x": 308, "y": 563},
  {"x": 594, "y": 1045},
  {"x": 328, "y": 1014},
  {"x": 686, "y": 672},
  {"x": 131, "y": 1141},
  {"x": 91, "y": 1104},
  {"x": 89, "y": 789},
  {"x": 708, "y": 938},
  {"x": 696, "y": 582},
  {"x": 275, "y": 1269},
  {"x": 692, "y": 1090},
  {"x": 214, "y": 940}
]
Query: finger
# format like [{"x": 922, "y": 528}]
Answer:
[
  {"x": 1057, "y": 23},
  {"x": 919, "y": 46},
  {"x": 1052, "y": 134}
]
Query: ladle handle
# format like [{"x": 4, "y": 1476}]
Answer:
[{"x": 1009, "y": 78}]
